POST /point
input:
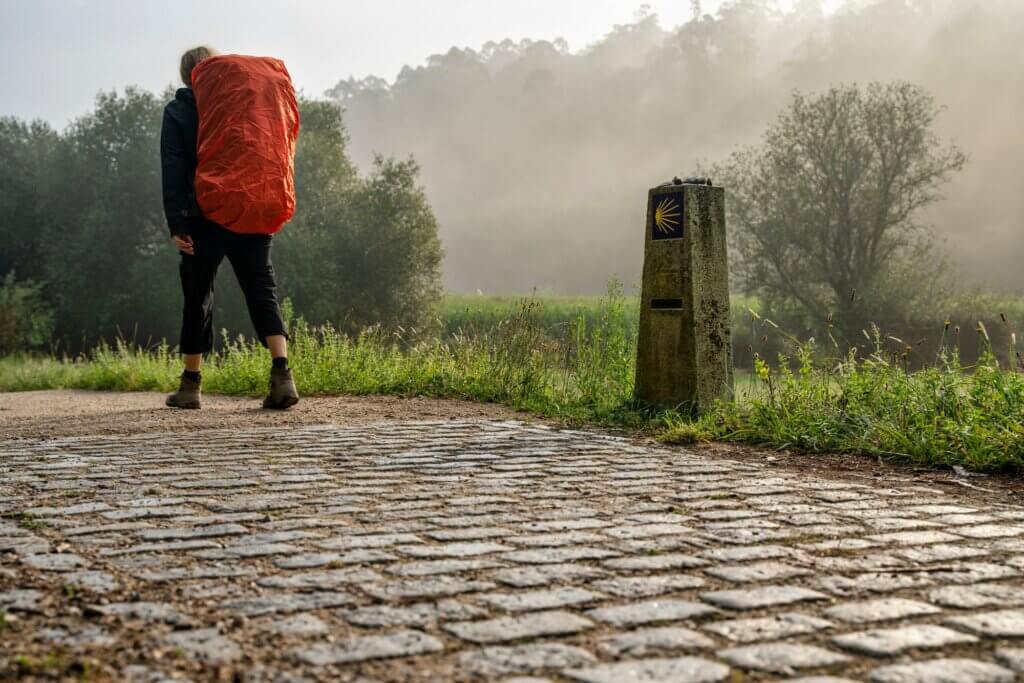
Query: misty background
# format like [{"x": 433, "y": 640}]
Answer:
[{"x": 536, "y": 153}]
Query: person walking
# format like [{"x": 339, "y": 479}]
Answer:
[{"x": 203, "y": 244}]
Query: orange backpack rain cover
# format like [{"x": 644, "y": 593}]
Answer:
[{"x": 248, "y": 125}]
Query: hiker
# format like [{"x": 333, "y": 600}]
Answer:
[{"x": 203, "y": 245}]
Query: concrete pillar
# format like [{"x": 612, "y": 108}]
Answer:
[{"x": 684, "y": 356}]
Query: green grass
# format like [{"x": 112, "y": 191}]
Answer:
[{"x": 573, "y": 360}]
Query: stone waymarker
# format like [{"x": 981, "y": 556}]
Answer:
[{"x": 684, "y": 356}]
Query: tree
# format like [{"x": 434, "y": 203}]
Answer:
[
  {"x": 825, "y": 213},
  {"x": 362, "y": 250}
]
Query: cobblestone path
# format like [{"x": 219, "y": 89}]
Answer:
[{"x": 459, "y": 551}]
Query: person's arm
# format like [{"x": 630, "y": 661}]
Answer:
[{"x": 176, "y": 175}]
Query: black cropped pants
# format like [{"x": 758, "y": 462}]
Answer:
[{"x": 249, "y": 256}]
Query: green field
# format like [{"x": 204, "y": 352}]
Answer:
[{"x": 573, "y": 360}]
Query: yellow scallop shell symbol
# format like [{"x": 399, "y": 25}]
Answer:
[{"x": 666, "y": 215}]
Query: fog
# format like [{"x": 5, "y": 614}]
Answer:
[{"x": 537, "y": 158}]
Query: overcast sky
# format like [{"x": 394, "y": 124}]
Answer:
[{"x": 56, "y": 54}]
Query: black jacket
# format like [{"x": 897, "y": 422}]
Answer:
[{"x": 178, "y": 161}]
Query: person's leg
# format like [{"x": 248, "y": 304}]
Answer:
[
  {"x": 198, "y": 272},
  {"x": 250, "y": 258}
]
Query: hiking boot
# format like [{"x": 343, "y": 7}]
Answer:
[
  {"x": 187, "y": 395},
  {"x": 282, "y": 390}
]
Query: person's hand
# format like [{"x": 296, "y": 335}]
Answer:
[{"x": 184, "y": 244}]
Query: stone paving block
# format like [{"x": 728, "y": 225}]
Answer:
[
  {"x": 368, "y": 541},
  {"x": 468, "y": 533},
  {"x": 539, "y": 599},
  {"x": 78, "y": 638},
  {"x": 885, "y": 609},
  {"x": 892, "y": 641},
  {"x": 300, "y": 625},
  {"x": 170, "y": 547},
  {"x": 871, "y": 582},
  {"x": 635, "y": 531},
  {"x": 210, "y": 531},
  {"x": 1011, "y": 657},
  {"x": 746, "y": 553},
  {"x": 320, "y": 580},
  {"x": 980, "y": 595},
  {"x": 434, "y": 567},
  {"x": 761, "y": 597},
  {"x": 1002, "y": 624},
  {"x": 782, "y": 658},
  {"x": 363, "y": 648},
  {"x": 532, "y": 625},
  {"x": 195, "y": 572},
  {"x": 55, "y": 562},
  {"x": 650, "y": 611},
  {"x": 490, "y": 662},
  {"x": 990, "y": 530},
  {"x": 653, "y": 641},
  {"x": 768, "y": 570},
  {"x": 655, "y": 562},
  {"x": 941, "y": 552},
  {"x": 95, "y": 581},
  {"x": 310, "y": 560},
  {"x": 248, "y": 550},
  {"x": 768, "y": 628},
  {"x": 943, "y": 671},
  {"x": 559, "y": 555},
  {"x": 21, "y": 600},
  {"x": 451, "y": 549},
  {"x": 438, "y": 587},
  {"x": 915, "y": 537},
  {"x": 679, "y": 670},
  {"x": 286, "y": 603},
  {"x": 542, "y": 575},
  {"x": 648, "y": 586},
  {"x": 150, "y": 612},
  {"x": 206, "y": 645}
]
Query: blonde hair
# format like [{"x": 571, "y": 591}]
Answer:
[{"x": 190, "y": 59}]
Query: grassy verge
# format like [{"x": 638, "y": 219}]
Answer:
[{"x": 946, "y": 414}]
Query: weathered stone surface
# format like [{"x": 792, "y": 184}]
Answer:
[
  {"x": 56, "y": 562},
  {"x": 1011, "y": 657},
  {"x": 435, "y": 567},
  {"x": 205, "y": 645},
  {"x": 892, "y": 641},
  {"x": 490, "y": 662},
  {"x": 655, "y": 562},
  {"x": 543, "y": 575},
  {"x": 320, "y": 580},
  {"x": 299, "y": 625},
  {"x": 679, "y": 670},
  {"x": 284, "y": 603},
  {"x": 781, "y": 658},
  {"x": 879, "y": 610},
  {"x": 757, "y": 571},
  {"x": 653, "y": 641},
  {"x": 1003, "y": 624},
  {"x": 531, "y": 625},
  {"x": 21, "y": 600},
  {"x": 980, "y": 595},
  {"x": 94, "y": 582},
  {"x": 943, "y": 671},
  {"x": 152, "y": 612},
  {"x": 438, "y": 587},
  {"x": 649, "y": 612},
  {"x": 362, "y": 648},
  {"x": 210, "y": 531},
  {"x": 539, "y": 599},
  {"x": 768, "y": 628},
  {"x": 764, "y": 596}
]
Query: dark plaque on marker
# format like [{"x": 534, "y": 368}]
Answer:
[{"x": 668, "y": 216}]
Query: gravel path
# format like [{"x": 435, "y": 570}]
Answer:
[{"x": 416, "y": 541}]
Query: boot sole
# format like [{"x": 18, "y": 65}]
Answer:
[
  {"x": 283, "y": 404},
  {"x": 191, "y": 405}
]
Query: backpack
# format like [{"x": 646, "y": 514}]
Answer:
[{"x": 248, "y": 125}]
